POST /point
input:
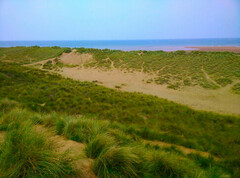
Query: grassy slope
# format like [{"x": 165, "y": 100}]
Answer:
[
  {"x": 24, "y": 55},
  {"x": 176, "y": 69},
  {"x": 147, "y": 116},
  {"x": 26, "y": 152},
  {"x": 114, "y": 152}
]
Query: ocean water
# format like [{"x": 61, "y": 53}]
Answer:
[{"x": 127, "y": 45}]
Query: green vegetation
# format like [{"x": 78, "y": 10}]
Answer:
[
  {"x": 113, "y": 156},
  {"x": 25, "y": 55},
  {"x": 27, "y": 153},
  {"x": 236, "y": 88},
  {"x": 175, "y": 69},
  {"x": 48, "y": 65},
  {"x": 117, "y": 161},
  {"x": 98, "y": 145},
  {"x": 114, "y": 124}
]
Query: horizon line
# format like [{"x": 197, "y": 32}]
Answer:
[{"x": 133, "y": 39}]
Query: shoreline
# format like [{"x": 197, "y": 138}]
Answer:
[{"x": 235, "y": 49}]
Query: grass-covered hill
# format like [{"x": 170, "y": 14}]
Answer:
[
  {"x": 25, "y": 55},
  {"x": 29, "y": 147},
  {"x": 95, "y": 115}
]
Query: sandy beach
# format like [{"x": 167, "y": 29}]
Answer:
[{"x": 234, "y": 49}]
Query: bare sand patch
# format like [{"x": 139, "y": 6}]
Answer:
[
  {"x": 75, "y": 58},
  {"x": 219, "y": 100}
]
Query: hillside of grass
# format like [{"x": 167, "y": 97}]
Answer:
[
  {"x": 113, "y": 153},
  {"x": 25, "y": 55},
  {"x": 175, "y": 69},
  {"x": 125, "y": 117}
]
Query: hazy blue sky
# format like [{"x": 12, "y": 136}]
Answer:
[{"x": 118, "y": 19}]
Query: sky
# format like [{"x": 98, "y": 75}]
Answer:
[{"x": 118, "y": 19}]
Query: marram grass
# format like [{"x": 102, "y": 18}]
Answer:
[
  {"x": 27, "y": 153},
  {"x": 115, "y": 154}
]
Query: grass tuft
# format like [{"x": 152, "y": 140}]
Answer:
[
  {"x": 6, "y": 105},
  {"x": 116, "y": 162},
  {"x": 30, "y": 154},
  {"x": 101, "y": 143},
  {"x": 18, "y": 115},
  {"x": 164, "y": 164}
]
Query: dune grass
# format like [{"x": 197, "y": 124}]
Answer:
[
  {"x": 99, "y": 145},
  {"x": 7, "y": 105},
  {"x": 27, "y": 153},
  {"x": 116, "y": 162},
  {"x": 236, "y": 88},
  {"x": 175, "y": 69},
  {"x": 114, "y": 155},
  {"x": 25, "y": 55},
  {"x": 143, "y": 116},
  {"x": 126, "y": 117}
]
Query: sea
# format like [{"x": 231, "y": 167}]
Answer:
[{"x": 128, "y": 45}]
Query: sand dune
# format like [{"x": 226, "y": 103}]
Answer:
[{"x": 219, "y": 100}]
